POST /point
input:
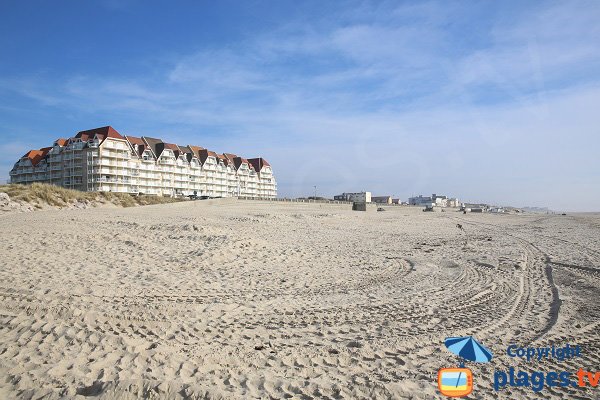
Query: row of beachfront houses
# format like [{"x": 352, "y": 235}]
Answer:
[
  {"x": 366, "y": 197},
  {"x": 425, "y": 201},
  {"x": 102, "y": 159},
  {"x": 434, "y": 200}
]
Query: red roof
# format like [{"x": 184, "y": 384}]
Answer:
[
  {"x": 230, "y": 156},
  {"x": 102, "y": 133},
  {"x": 196, "y": 150},
  {"x": 224, "y": 159},
  {"x": 141, "y": 145},
  {"x": 61, "y": 142},
  {"x": 174, "y": 148},
  {"x": 135, "y": 140},
  {"x": 37, "y": 155},
  {"x": 171, "y": 146}
]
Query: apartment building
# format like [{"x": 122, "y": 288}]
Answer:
[{"x": 102, "y": 159}]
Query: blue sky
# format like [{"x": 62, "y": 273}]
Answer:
[{"x": 487, "y": 101}]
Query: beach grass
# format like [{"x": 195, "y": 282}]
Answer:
[{"x": 39, "y": 194}]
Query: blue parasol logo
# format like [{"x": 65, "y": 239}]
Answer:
[
  {"x": 458, "y": 382},
  {"x": 468, "y": 348}
]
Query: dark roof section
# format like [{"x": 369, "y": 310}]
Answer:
[
  {"x": 205, "y": 153},
  {"x": 158, "y": 146},
  {"x": 155, "y": 145},
  {"x": 258, "y": 163},
  {"x": 238, "y": 161},
  {"x": 102, "y": 133},
  {"x": 189, "y": 154}
]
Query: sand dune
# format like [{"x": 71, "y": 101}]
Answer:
[{"x": 240, "y": 299}]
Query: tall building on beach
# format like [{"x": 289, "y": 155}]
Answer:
[{"x": 102, "y": 159}]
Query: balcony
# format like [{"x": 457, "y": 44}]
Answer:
[
  {"x": 75, "y": 146},
  {"x": 72, "y": 156},
  {"x": 115, "y": 154}
]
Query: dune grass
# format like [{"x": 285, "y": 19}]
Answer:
[{"x": 39, "y": 194}]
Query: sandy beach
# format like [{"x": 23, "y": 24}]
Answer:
[{"x": 246, "y": 299}]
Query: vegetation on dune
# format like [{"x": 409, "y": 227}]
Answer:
[{"x": 39, "y": 194}]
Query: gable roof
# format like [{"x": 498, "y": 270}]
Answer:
[
  {"x": 152, "y": 145},
  {"x": 258, "y": 163},
  {"x": 139, "y": 142},
  {"x": 174, "y": 148},
  {"x": 102, "y": 133},
  {"x": 205, "y": 153},
  {"x": 135, "y": 140},
  {"x": 196, "y": 150},
  {"x": 189, "y": 154},
  {"x": 239, "y": 161},
  {"x": 35, "y": 156},
  {"x": 223, "y": 159},
  {"x": 230, "y": 156}
]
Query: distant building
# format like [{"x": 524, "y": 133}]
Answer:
[
  {"x": 453, "y": 202},
  {"x": 438, "y": 200},
  {"x": 433, "y": 200},
  {"x": 396, "y": 201},
  {"x": 420, "y": 200},
  {"x": 475, "y": 207},
  {"x": 364, "y": 197},
  {"x": 382, "y": 199}
]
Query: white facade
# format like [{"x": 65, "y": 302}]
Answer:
[
  {"x": 433, "y": 200},
  {"x": 103, "y": 160}
]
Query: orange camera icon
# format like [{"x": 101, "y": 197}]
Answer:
[{"x": 455, "y": 382}]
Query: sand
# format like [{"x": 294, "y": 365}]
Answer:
[{"x": 246, "y": 299}]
